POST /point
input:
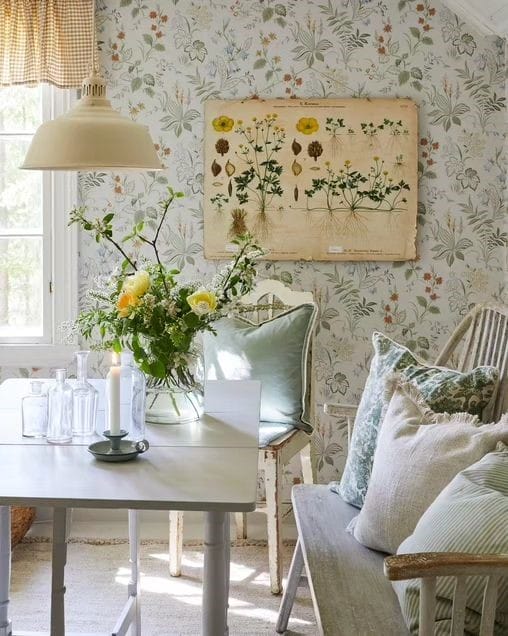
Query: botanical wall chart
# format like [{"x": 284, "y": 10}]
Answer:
[{"x": 329, "y": 179}]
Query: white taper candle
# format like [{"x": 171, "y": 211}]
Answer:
[{"x": 113, "y": 381}]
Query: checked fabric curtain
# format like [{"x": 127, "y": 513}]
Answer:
[{"x": 45, "y": 41}]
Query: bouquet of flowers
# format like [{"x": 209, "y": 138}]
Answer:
[{"x": 145, "y": 308}]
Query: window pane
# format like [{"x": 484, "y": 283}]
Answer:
[
  {"x": 20, "y": 108},
  {"x": 20, "y": 190},
  {"x": 21, "y": 287}
]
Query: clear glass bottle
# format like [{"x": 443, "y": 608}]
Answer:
[
  {"x": 34, "y": 411},
  {"x": 85, "y": 399},
  {"x": 132, "y": 398},
  {"x": 60, "y": 410}
]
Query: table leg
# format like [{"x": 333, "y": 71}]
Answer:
[
  {"x": 5, "y": 569},
  {"x": 215, "y": 576},
  {"x": 134, "y": 586},
  {"x": 61, "y": 518}
]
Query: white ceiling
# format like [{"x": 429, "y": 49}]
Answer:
[{"x": 491, "y": 16}]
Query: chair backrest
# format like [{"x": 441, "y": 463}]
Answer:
[
  {"x": 484, "y": 337},
  {"x": 268, "y": 299}
]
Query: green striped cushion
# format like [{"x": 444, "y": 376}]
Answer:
[{"x": 470, "y": 515}]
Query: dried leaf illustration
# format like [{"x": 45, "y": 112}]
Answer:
[
  {"x": 216, "y": 168},
  {"x": 222, "y": 146},
  {"x": 296, "y": 168},
  {"x": 296, "y": 193},
  {"x": 229, "y": 168},
  {"x": 296, "y": 147},
  {"x": 238, "y": 226},
  {"x": 315, "y": 150}
]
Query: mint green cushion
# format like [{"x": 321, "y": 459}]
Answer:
[
  {"x": 445, "y": 390},
  {"x": 274, "y": 353},
  {"x": 470, "y": 515}
]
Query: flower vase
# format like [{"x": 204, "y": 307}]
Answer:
[
  {"x": 173, "y": 405},
  {"x": 179, "y": 401}
]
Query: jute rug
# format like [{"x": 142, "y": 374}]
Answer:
[{"x": 97, "y": 574}]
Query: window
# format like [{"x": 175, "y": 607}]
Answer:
[{"x": 37, "y": 250}]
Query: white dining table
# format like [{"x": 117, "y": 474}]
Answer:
[{"x": 209, "y": 465}]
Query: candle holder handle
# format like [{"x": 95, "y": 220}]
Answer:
[{"x": 115, "y": 440}]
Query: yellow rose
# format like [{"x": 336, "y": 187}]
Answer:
[
  {"x": 307, "y": 125},
  {"x": 223, "y": 124},
  {"x": 137, "y": 284},
  {"x": 125, "y": 304},
  {"x": 202, "y": 302}
]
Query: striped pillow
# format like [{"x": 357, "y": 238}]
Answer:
[{"x": 470, "y": 515}]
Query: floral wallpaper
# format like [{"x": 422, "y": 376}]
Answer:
[{"x": 163, "y": 60}]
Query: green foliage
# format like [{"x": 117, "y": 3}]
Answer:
[{"x": 145, "y": 308}]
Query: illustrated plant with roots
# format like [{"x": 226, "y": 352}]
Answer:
[
  {"x": 371, "y": 132},
  {"x": 260, "y": 180},
  {"x": 219, "y": 201},
  {"x": 336, "y": 127},
  {"x": 397, "y": 132},
  {"x": 349, "y": 190}
]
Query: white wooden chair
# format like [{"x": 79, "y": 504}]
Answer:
[
  {"x": 363, "y": 601},
  {"x": 268, "y": 299}
]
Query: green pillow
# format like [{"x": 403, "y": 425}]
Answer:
[
  {"x": 470, "y": 515},
  {"x": 445, "y": 390},
  {"x": 273, "y": 352}
]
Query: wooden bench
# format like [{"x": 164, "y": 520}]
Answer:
[
  {"x": 344, "y": 577},
  {"x": 350, "y": 584}
]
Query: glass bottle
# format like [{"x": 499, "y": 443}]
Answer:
[
  {"x": 34, "y": 411},
  {"x": 85, "y": 398},
  {"x": 60, "y": 410},
  {"x": 132, "y": 398}
]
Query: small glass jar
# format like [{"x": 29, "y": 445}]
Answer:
[
  {"x": 132, "y": 398},
  {"x": 85, "y": 399},
  {"x": 34, "y": 411},
  {"x": 60, "y": 410}
]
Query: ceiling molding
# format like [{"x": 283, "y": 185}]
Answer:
[{"x": 490, "y": 16}]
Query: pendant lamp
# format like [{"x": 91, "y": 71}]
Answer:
[{"x": 92, "y": 135}]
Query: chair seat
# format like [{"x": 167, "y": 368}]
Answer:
[{"x": 270, "y": 431}]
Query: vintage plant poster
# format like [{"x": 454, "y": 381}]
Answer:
[{"x": 324, "y": 179}]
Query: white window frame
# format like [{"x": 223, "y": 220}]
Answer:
[{"x": 60, "y": 259}]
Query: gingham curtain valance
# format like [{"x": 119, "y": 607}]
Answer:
[{"x": 45, "y": 41}]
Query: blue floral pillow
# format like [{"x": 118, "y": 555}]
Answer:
[{"x": 445, "y": 390}]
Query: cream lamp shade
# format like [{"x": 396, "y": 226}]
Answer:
[{"x": 92, "y": 136}]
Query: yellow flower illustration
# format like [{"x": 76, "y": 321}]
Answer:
[
  {"x": 307, "y": 125},
  {"x": 126, "y": 303},
  {"x": 137, "y": 284},
  {"x": 202, "y": 302},
  {"x": 223, "y": 124}
]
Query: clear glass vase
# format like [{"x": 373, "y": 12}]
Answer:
[
  {"x": 177, "y": 403},
  {"x": 34, "y": 411},
  {"x": 85, "y": 398},
  {"x": 173, "y": 405},
  {"x": 132, "y": 398},
  {"x": 60, "y": 410}
]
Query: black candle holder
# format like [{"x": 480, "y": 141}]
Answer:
[{"x": 116, "y": 450}]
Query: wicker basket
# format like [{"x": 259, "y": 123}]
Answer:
[{"x": 21, "y": 520}]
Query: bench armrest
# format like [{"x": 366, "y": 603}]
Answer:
[{"x": 419, "y": 565}]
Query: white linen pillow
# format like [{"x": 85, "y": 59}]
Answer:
[{"x": 418, "y": 453}]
